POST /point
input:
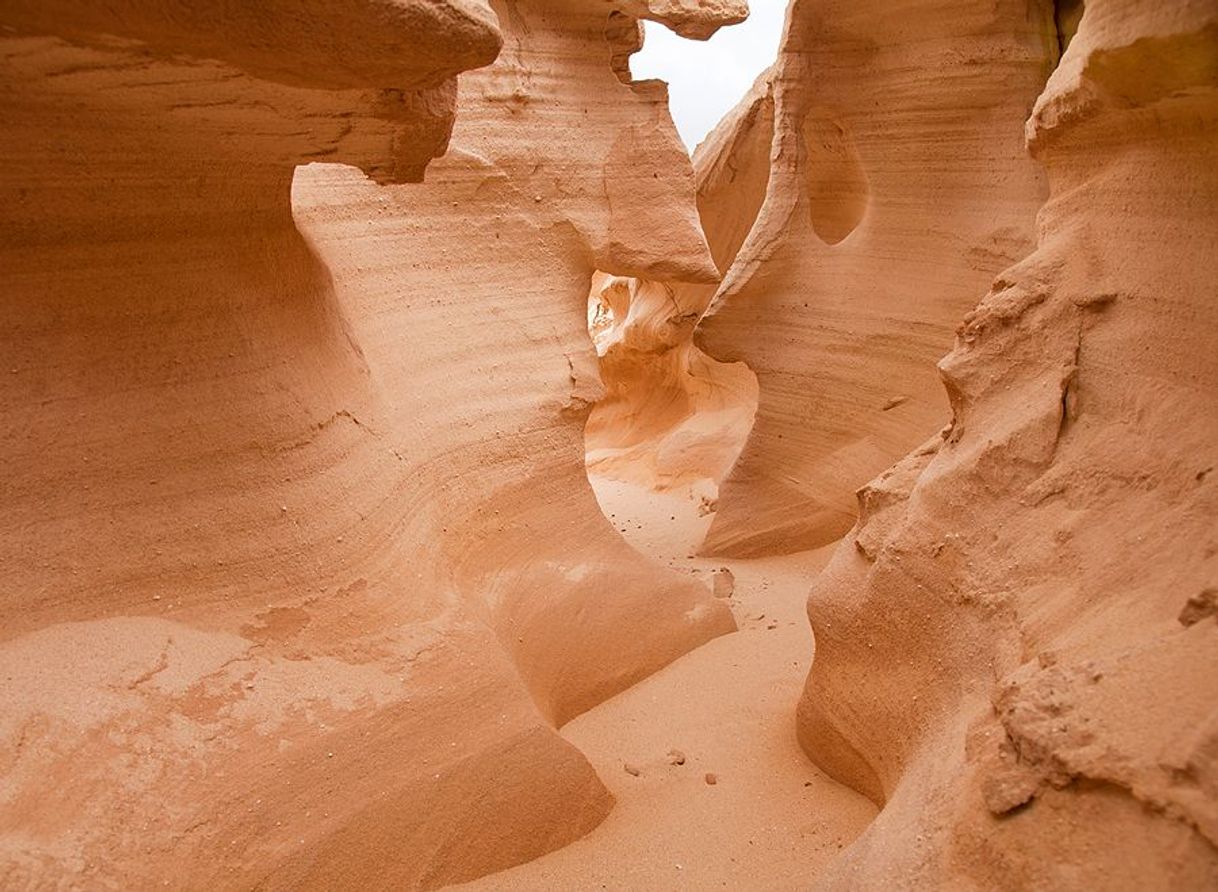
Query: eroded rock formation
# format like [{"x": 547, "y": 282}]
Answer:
[
  {"x": 507, "y": 233},
  {"x": 1017, "y": 649},
  {"x": 300, "y": 568},
  {"x": 899, "y": 187},
  {"x": 298, "y": 552},
  {"x": 671, "y": 415}
]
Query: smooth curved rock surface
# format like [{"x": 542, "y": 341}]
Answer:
[
  {"x": 492, "y": 258},
  {"x": 288, "y": 602},
  {"x": 672, "y": 416},
  {"x": 898, "y": 188},
  {"x": 1017, "y": 645}
]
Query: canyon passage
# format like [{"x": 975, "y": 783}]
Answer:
[{"x": 421, "y": 471}]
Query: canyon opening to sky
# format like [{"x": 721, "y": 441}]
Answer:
[{"x": 439, "y": 453}]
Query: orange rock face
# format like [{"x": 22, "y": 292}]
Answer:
[
  {"x": 307, "y": 351},
  {"x": 504, "y": 234},
  {"x": 1017, "y": 649},
  {"x": 899, "y": 187},
  {"x": 672, "y": 416},
  {"x": 300, "y": 563}
]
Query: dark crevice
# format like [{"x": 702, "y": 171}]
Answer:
[{"x": 1066, "y": 14}]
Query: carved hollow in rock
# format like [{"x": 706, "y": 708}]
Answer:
[{"x": 835, "y": 181}]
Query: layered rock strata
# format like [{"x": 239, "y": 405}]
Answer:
[
  {"x": 1017, "y": 645},
  {"x": 898, "y": 187},
  {"x": 672, "y": 416},
  {"x": 299, "y": 566},
  {"x": 492, "y": 258}
]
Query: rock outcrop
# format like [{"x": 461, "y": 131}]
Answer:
[
  {"x": 299, "y": 564},
  {"x": 1017, "y": 649},
  {"x": 491, "y": 259},
  {"x": 898, "y": 187},
  {"x": 671, "y": 415}
]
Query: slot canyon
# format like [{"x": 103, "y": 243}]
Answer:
[{"x": 420, "y": 470}]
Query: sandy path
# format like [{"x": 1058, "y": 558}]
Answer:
[{"x": 771, "y": 820}]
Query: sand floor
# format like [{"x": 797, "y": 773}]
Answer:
[{"x": 771, "y": 820}]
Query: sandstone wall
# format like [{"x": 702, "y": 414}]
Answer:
[
  {"x": 898, "y": 187},
  {"x": 1017, "y": 645},
  {"x": 298, "y": 567},
  {"x": 671, "y": 415},
  {"x": 492, "y": 260}
]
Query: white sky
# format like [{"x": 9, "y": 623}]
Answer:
[{"x": 706, "y": 78}]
